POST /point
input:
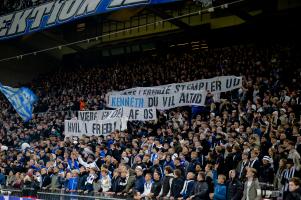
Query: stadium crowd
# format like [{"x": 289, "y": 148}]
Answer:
[{"x": 221, "y": 151}]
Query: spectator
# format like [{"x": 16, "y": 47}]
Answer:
[
  {"x": 166, "y": 183},
  {"x": 30, "y": 188},
  {"x": 156, "y": 186},
  {"x": 188, "y": 185},
  {"x": 219, "y": 185},
  {"x": 2, "y": 177},
  {"x": 251, "y": 187},
  {"x": 234, "y": 187},
  {"x": 280, "y": 173},
  {"x": 176, "y": 185},
  {"x": 200, "y": 189},
  {"x": 139, "y": 182},
  {"x": 267, "y": 171},
  {"x": 294, "y": 189},
  {"x": 147, "y": 188},
  {"x": 105, "y": 179}
]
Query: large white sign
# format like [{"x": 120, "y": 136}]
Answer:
[
  {"x": 132, "y": 114},
  {"x": 213, "y": 85},
  {"x": 161, "y": 102},
  {"x": 79, "y": 127}
]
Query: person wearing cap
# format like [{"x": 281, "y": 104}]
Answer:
[{"x": 266, "y": 170}]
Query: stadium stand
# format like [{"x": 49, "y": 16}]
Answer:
[{"x": 244, "y": 144}]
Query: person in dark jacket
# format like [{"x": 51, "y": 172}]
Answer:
[
  {"x": 234, "y": 187},
  {"x": 46, "y": 180},
  {"x": 115, "y": 188},
  {"x": 82, "y": 179},
  {"x": 194, "y": 161},
  {"x": 176, "y": 185},
  {"x": 294, "y": 189},
  {"x": 139, "y": 182},
  {"x": 266, "y": 171},
  {"x": 166, "y": 183},
  {"x": 178, "y": 165},
  {"x": 156, "y": 186},
  {"x": 188, "y": 185},
  {"x": 30, "y": 187},
  {"x": 200, "y": 189}
]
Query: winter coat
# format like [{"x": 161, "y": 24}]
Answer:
[
  {"x": 200, "y": 190},
  {"x": 234, "y": 189},
  {"x": 176, "y": 187}
]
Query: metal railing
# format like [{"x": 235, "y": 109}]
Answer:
[{"x": 62, "y": 195}]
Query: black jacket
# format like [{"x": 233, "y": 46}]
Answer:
[
  {"x": 296, "y": 195},
  {"x": 115, "y": 184},
  {"x": 266, "y": 174},
  {"x": 176, "y": 187},
  {"x": 30, "y": 189},
  {"x": 200, "y": 190},
  {"x": 156, "y": 188},
  {"x": 46, "y": 180},
  {"x": 166, "y": 184},
  {"x": 234, "y": 189}
]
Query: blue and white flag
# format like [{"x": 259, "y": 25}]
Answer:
[{"x": 22, "y": 99}]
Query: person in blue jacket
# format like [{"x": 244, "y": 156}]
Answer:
[
  {"x": 139, "y": 182},
  {"x": 220, "y": 188},
  {"x": 73, "y": 182}
]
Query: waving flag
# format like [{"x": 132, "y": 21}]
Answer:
[{"x": 22, "y": 99}]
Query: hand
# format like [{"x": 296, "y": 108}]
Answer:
[
  {"x": 119, "y": 193},
  {"x": 216, "y": 166},
  {"x": 211, "y": 195}
]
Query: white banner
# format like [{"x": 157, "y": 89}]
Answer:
[
  {"x": 79, "y": 127},
  {"x": 132, "y": 114},
  {"x": 161, "y": 102},
  {"x": 214, "y": 85}
]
